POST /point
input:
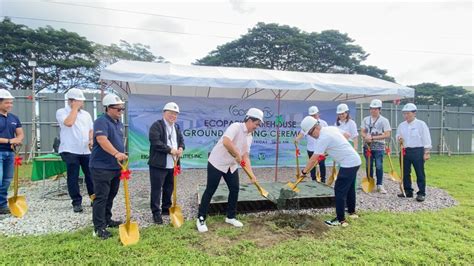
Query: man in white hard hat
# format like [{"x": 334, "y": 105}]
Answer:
[
  {"x": 331, "y": 141},
  {"x": 11, "y": 133},
  {"x": 231, "y": 149},
  {"x": 416, "y": 138},
  {"x": 166, "y": 145},
  {"x": 313, "y": 111},
  {"x": 108, "y": 148},
  {"x": 76, "y": 144},
  {"x": 374, "y": 130}
]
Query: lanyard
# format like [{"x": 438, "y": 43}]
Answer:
[
  {"x": 170, "y": 134},
  {"x": 371, "y": 126}
]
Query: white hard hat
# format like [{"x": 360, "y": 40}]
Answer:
[
  {"x": 75, "y": 94},
  {"x": 111, "y": 99},
  {"x": 171, "y": 106},
  {"x": 313, "y": 110},
  {"x": 255, "y": 113},
  {"x": 308, "y": 123},
  {"x": 409, "y": 107},
  {"x": 342, "y": 108},
  {"x": 5, "y": 94},
  {"x": 376, "y": 103}
]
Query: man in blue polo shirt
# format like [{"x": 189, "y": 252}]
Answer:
[
  {"x": 11, "y": 133},
  {"x": 108, "y": 147}
]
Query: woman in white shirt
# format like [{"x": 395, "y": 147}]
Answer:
[{"x": 346, "y": 125}]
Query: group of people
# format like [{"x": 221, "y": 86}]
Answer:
[{"x": 97, "y": 147}]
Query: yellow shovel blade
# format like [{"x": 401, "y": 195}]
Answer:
[
  {"x": 394, "y": 176},
  {"x": 293, "y": 186},
  {"x": 129, "y": 233},
  {"x": 18, "y": 206},
  {"x": 262, "y": 191},
  {"x": 176, "y": 216},
  {"x": 368, "y": 184}
]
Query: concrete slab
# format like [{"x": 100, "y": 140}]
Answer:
[{"x": 311, "y": 195}]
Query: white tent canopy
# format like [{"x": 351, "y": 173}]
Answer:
[{"x": 133, "y": 77}]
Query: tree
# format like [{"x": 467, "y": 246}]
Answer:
[
  {"x": 281, "y": 47},
  {"x": 431, "y": 93},
  {"x": 15, "y": 43},
  {"x": 268, "y": 46},
  {"x": 124, "y": 51},
  {"x": 64, "y": 59}
]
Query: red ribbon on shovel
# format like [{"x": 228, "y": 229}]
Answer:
[
  {"x": 404, "y": 151},
  {"x": 242, "y": 163},
  {"x": 368, "y": 153},
  {"x": 18, "y": 161},
  {"x": 298, "y": 152},
  {"x": 125, "y": 174},
  {"x": 321, "y": 158},
  {"x": 387, "y": 150},
  {"x": 177, "y": 170}
]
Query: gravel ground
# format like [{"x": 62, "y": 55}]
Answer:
[{"x": 53, "y": 213}]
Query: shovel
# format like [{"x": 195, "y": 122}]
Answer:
[
  {"x": 300, "y": 178},
  {"x": 176, "y": 214},
  {"x": 129, "y": 233},
  {"x": 17, "y": 204},
  {"x": 393, "y": 175},
  {"x": 297, "y": 154},
  {"x": 402, "y": 154},
  {"x": 260, "y": 189},
  {"x": 333, "y": 175},
  {"x": 368, "y": 182}
]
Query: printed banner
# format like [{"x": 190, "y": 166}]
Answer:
[{"x": 204, "y": 120}]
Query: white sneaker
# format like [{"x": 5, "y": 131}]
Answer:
[
  {"x": 234, "y": 222},
  {"x": 381, "y": 189},
  {"x": 201, "y": 225}
]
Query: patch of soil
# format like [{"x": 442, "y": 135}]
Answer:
[{"x": 259, "y": 232}]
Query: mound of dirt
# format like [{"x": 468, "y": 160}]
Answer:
[{"x": 261, "y": 232}]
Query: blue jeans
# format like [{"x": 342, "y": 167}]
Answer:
[
  {"x": 6, "y": 175},
  {"x": 377, "y": 158}
]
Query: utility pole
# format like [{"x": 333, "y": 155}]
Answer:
[{"x": 32, "y": 64}]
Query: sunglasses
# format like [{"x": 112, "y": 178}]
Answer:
[{"x": 118, "y": 108}]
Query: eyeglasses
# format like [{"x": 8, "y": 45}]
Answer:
[{"x": 118, "y": 108}]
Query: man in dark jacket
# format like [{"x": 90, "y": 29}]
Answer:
[{"x": 166, "y": 145}]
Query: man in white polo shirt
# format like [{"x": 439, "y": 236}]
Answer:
[
  {"x": 75, "y": 147},
  {"x": 331, "y": 141},
  {"x": 415, "y": 135},
  {"x": 231, "y": 149}
]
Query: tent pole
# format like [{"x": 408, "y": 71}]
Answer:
[{"x": 278, "y": 136}]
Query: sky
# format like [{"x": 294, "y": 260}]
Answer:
[{"x": 415, "y": 41}]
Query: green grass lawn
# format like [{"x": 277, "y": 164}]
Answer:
[{"x": 441, "y": 237}]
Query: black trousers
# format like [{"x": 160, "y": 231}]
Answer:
[
  {"x": 414, "y": 156},
  {"x": 322, "y": 169},
  {"x": 106, "y": 184},
  {"x": 161, "y": 181},
  {"x": 73, "y": 163},
  {"x": 213, "y": 179},
  {"x": 344, "y": 191}
]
